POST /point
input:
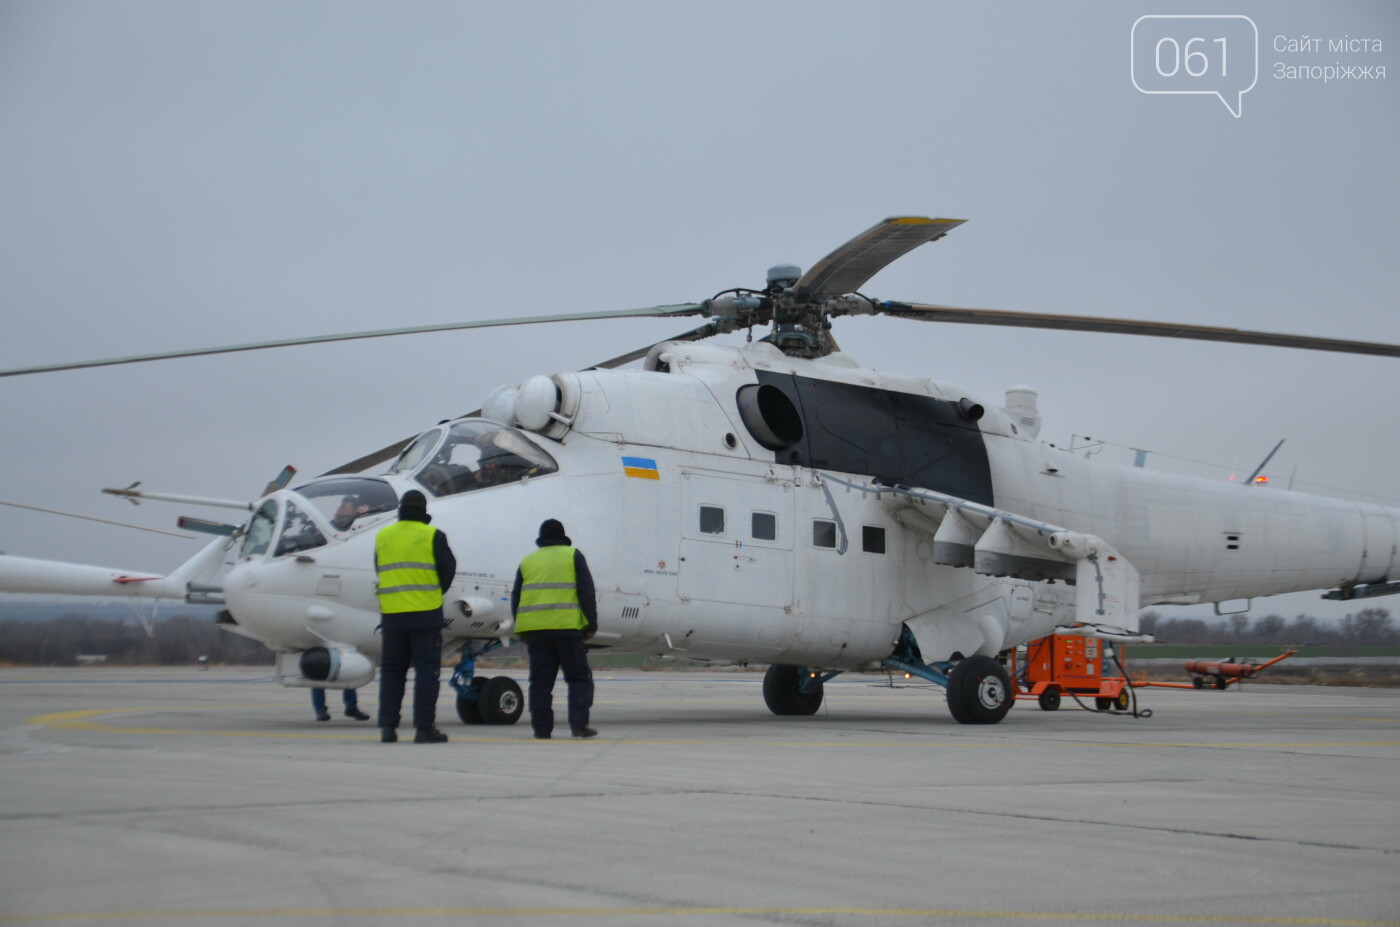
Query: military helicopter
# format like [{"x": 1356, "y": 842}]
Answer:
[{"x": 774, "y": 503}]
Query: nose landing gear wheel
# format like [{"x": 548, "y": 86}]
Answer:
[
  {"x": 979, "y": 691},
  {"x": 501, "y": 701},
  {"x": 467, "y": 707},
  {"x": 497, "y": 701}
]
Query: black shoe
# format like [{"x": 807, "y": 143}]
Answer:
[
  {"x": 387, "y": 735},
  {"x": 585, "y": 732},
  {"x": 352, "y": 713},
  {"x": 323, "y": 716},
  {"x": 545, "y": 736},
  {"x": 429, "y": 736}
]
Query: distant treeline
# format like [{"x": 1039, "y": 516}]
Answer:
[
  {"x": 183, "y": 639},
  {"x": 1369, "y": 626},
  {"x": 180, "y": 639},
  {"x": 22, "y": 608}
]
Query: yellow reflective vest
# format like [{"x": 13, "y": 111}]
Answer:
[
  {"x": 406, "y": 568},
  {"x": 549, "y": 592}
]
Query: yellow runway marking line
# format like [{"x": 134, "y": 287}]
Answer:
[
  {"x": 1245, "y": 744},
  {"x": 83, "y": 720},
  {"x": 924, "y": 913},
  {"x": 79, "y": 718}
]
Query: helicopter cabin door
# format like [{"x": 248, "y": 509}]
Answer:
[{"x": 736, "y": 541}]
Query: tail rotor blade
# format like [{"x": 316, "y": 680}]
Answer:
[{"x": 281, "y": 481}]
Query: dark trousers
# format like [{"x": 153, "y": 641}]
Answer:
[
  {"x": 549, "y": 652},
  {"x": 318, "y": 699},
  {"x": 404, "y": 647}
]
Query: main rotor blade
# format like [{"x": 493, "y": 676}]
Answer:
[
  {"x": 695, "y": 334},
  {"x": 847, "y": 268},
  {"x": 680, "y": 309},
  {"x": 1082, "y": 323},
  {"x": 360, "y": 464},
  {"x": 389, "y": 452}
]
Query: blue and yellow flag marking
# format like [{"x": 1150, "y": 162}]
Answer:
[{"x": 643, "y": 468}]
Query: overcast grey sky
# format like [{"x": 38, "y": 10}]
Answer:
[{"x": 177, "y": 175}]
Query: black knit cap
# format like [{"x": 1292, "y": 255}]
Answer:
[
  {"x": 413, "y": 502},
  {"x": 551, "y": 531}
]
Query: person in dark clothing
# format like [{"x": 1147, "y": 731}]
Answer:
[
  {"x": 556, "y": 611},
  {"x": 347, "y": 696},
  {"x": 415, "y": 566},
  {"x": 349, "y": 509}
]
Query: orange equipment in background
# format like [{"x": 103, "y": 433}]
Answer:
[
  {"x": 1075, "y": 665},
  {"x": 1069, "y": 664},
  {"x": 1224, "y": 673}
]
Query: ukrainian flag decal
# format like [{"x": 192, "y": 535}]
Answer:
[{"x": 643, "y": 468}]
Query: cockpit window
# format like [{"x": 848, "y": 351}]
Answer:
[
  {"x": 260, "y": 528},
  {"x": 343, "y": 501},
  {"x": 414, "y": 454},
  {"x": 477, "y": 454},
  {"x": 299, "y": 532}
]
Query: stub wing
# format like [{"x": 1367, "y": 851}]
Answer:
[{"x": 995, "y": 542}]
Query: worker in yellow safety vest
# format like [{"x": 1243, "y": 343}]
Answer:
[
  {"x": 556, "y": 611},
  {"x": 414, "y": 566}
]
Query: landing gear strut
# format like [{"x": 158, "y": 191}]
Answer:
[{"x": 979, "y": 688}]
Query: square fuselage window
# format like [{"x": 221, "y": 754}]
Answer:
[
  {"x": 872, "y": 539},
  {"x": 764, "y": 526},
  {"x": 824, "y": 534},
  {"x": 711, "y": 519}
]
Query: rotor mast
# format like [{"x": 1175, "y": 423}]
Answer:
[{"x": 800, "y": 306}]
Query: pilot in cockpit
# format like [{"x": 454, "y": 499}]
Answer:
[
  {"x": 499, "y": 464},
  {"x": 350, "y": 508}
]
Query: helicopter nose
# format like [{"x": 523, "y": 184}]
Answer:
[
  {"x": 291, "y": 604},
  {"x": 246, "y": 603}
]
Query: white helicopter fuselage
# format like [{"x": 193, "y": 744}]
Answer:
[
  {"x": 741, "y": 505},
  {"x": 774, "y": 503}
]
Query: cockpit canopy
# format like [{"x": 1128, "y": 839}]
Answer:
[
  {"x": 472, "y": 454},
  {"x": 460, "y": 457},
  {"x": 340, "y": 503}
]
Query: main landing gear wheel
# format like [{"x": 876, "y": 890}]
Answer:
[
  {"x": 979, "y": 691},
  {"x": 1049, "y": 700},
  {"x": 782, "y": 695}
]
